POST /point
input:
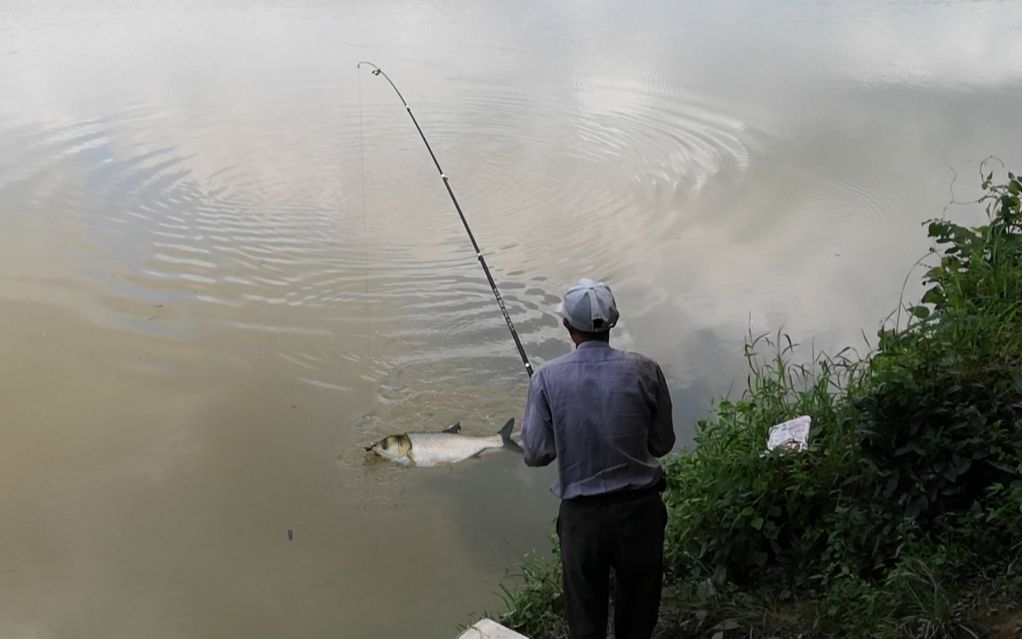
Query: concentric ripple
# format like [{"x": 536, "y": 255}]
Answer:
[{"x": 266, "y": 231}]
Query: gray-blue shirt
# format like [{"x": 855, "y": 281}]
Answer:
[{"x": 604, "y": 415}]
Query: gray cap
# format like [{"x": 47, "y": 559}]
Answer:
[{"x": 590, "y": 307}]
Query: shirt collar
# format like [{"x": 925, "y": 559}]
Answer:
[{"x": 593, "y": 343}]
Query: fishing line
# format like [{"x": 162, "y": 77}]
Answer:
[
  {"x": 365, "y": 237},
  {"x": 443, "y": 176}
]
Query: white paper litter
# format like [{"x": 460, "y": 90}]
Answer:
[{"x": 790, "y": 435}]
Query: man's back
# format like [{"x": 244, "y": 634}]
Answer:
[{"x": 605, "y": 415}]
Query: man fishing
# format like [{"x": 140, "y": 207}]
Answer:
[{"x": 605, "y": 416}]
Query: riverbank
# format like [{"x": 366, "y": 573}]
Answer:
[{"x": 901, "y": 519}]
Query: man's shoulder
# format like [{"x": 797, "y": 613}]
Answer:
[
  {"x": 555, "y": 363},
  {"x": 646, "y": 365},
  {"x": 639, "y": 360}
]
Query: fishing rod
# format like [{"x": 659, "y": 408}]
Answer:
[{"x": 443, "y": 176}]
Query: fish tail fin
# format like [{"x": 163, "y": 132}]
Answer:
[{"x": 505, "y": 437}]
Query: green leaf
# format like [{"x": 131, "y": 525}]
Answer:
[
  {"x": 1014, "y": 188},
  {"x": 1002, "y": 467},
  {"x": 917, "y": 506},
  {"x": 757, "y": 522},
  {"x": 892, "y": 485},
  {"x": 933, "y": 296},
  {"x": 921, "y": 312},
  {"x": 937, "y": 229}
]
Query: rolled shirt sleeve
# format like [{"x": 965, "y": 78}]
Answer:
[
  {"x": 537, "y": 428},
  {"x": 661, "y": 433}
]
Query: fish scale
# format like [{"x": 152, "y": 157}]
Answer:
[{"x": 431, "y": 449}]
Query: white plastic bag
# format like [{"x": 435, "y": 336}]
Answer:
[{"x": 790, "y": 435}]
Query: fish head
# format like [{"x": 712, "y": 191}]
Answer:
[{"x": 395, "y": 447}]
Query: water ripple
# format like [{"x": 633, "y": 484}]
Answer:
[{"x": 271, "y": 238}]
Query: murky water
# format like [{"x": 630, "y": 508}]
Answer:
[{"x": 221, "y": 272}]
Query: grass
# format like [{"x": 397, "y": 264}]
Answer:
[{"x": 901, "y": 519}]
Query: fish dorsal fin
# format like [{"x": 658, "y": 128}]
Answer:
[{"x": 453, "y": 428}]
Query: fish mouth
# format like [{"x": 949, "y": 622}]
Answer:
[
  {"x": 386, "y": 454},
  {"x": 381, "y": 452}
]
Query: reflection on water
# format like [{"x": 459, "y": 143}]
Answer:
[{"x": 203, "y": 313}]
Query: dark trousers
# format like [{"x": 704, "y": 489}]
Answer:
[{"x": 620, "y": 531}]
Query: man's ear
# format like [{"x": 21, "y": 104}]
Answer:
[{"x": 572, "y": 333}]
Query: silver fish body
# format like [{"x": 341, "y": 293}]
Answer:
[{"x": 446, "y": 447}]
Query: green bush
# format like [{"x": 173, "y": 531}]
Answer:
[
  {"x": 536, "y": 607},
  {"x": 741, "y": 515},
  {"x": 923, "y": 433},
  {"x": 940, "y": 424}
]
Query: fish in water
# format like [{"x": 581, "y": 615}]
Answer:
[{"x": 445, "y": 447}]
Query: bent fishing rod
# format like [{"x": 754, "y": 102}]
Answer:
[{"x": 464, "y": 222}]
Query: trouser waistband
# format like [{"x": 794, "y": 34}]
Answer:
[{"x": 621, "y": 495}]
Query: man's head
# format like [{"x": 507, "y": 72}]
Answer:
[{"x": 589, "y": 311}]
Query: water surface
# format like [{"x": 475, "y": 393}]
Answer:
[{"x": 226, "y": 262}]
